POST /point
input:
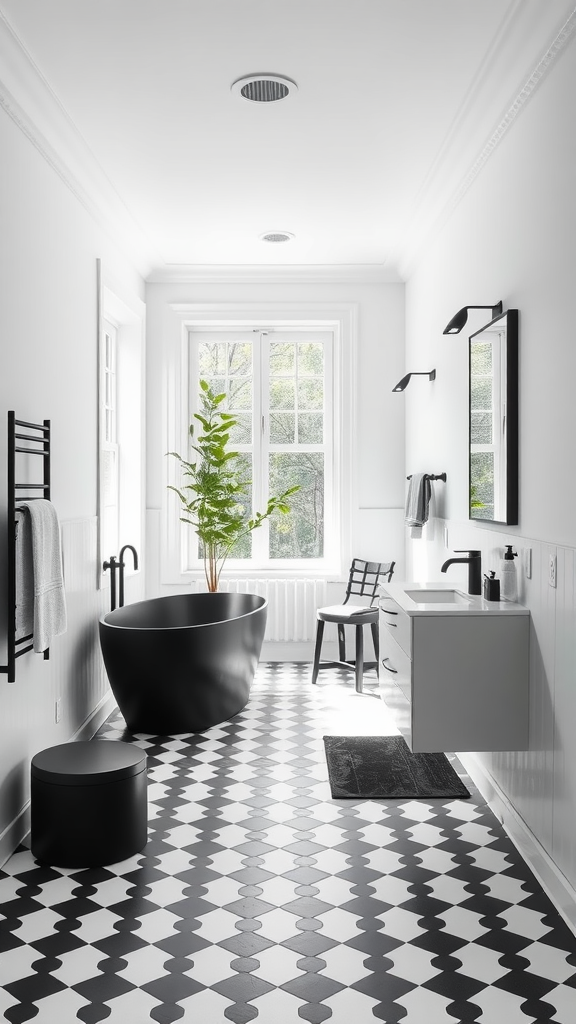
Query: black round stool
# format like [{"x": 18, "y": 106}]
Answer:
[{"x": 88, "y": 803}]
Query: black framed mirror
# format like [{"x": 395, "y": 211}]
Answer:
[{"x": 493, "y": 421}]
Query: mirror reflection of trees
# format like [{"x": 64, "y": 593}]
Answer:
[
  {"x": 493, "y": 411},
  {"x": 481, "y": 430}
]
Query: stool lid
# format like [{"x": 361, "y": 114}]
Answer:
[{"x": 88, "y": 763}]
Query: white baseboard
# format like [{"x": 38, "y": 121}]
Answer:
[
  {"x": 14, "y": 833},
  {"x": 552, "y": 880},
  {"x": 17, "y": 830},
  {"x": 95, "y": 719},
  {"x": 293, "y": 650}
]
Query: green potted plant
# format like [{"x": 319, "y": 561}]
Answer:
[
  {"x": 214, "y": 494},
  {"x": 474, "y": 499}
]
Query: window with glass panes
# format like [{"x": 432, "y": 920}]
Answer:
[{"x": 278, "y": 386}]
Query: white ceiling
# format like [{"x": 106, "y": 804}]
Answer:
[{"x": 396, "y": 99}]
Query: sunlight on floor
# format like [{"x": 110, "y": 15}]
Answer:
[{"x": 354, "y": 714}]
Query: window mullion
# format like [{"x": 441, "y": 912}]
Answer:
[{"x": 261, "y": 418}]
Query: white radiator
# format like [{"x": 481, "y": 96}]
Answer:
[{"x": 292, "y": 604}]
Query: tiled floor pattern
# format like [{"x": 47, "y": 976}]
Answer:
[{"x": 260, "y": 897}]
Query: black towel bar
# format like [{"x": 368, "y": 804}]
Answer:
[
  {"x": 432, "y": 476},
  {"x": 41, "y": 439}
]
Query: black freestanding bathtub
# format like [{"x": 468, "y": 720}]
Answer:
[{"x": 183, "y": 663}]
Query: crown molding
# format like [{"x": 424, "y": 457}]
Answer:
[
  {"x": 284, "y": 274},
  {"x": 26, "y": 97},
  {"x": 543, "y": 68},
  {"x": 445, "y": 203},
  {"x": 28, "y": 100}
]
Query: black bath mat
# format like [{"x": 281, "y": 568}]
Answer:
[{"x": 383, "y": 767}]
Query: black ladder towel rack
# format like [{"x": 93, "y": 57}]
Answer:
[{"x": 38, "y": 444}]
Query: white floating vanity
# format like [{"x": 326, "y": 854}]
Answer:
[{"x": 454, "y": 668}]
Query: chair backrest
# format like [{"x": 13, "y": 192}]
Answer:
[{"x": 365, "y": 577}]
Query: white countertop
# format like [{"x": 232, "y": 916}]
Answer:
[{"x": 459, "y": 603}]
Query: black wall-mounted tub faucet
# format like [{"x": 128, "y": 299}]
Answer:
[
  {"x": 127, "y": 547},
  {"x": 116, "y": 565},
  {"x": 112, "y": 564}
]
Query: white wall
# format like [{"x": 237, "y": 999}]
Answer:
[
  {"x": 378, "y": 455},
  {"x": 49, "y": 248},
  {"x": 513, "y": 237}
]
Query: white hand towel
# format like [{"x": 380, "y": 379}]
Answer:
[
  {"x": 48, "y": 582},
  {"x": 24, "y": 577},
  {"x": 418, "y": 500}
]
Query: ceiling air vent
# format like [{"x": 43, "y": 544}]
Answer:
[
  {"x": 264, "y": 88},
  {"x": 276, "y": 236}
]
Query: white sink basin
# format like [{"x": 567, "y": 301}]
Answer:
[{"x": 426, "y": 596}]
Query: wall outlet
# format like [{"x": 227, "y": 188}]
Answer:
[
  {"x": 552, "y": 570},
  {"x": 527, "y": 557},
  {"x": 57, "y": 710}
]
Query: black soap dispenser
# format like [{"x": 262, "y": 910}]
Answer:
[{"x": 491, "y": 587}]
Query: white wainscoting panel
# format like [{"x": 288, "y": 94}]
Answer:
[
  {"x": 79, "y": 675},
  {"x": 528, "y": 776},
  {"x": 564, "y": 821}
]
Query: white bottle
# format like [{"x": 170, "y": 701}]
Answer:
[{"x": 508, "y": 582}]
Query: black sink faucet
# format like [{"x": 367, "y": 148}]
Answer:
[
  {"x": 474, "y": 562},
  {"x": 127, "y": 547}
]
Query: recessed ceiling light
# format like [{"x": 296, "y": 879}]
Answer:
[
  {"x": 276, "y": 236},
  {"x": 264, "y": 88}
]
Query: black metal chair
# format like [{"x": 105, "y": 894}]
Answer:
[{"x": 363, "y": 581}]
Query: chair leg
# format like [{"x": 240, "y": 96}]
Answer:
[
  {"x": 376, "y": 641},
  {"x": 317, "y": 649},
  {"x": 341, "y": 642},
  {"x": 359, "y": 657}
]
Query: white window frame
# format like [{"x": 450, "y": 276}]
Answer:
[
  {"x": 127, "y": 314},
  {"x": 260, "y": 340},
  {"x": 341, "y": 320},
  {"x": 108, "y": 429}
]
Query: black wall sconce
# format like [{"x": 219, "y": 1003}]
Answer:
[
  {"x": 402, "y": 384},
  {"x": 459, "y": 319}
]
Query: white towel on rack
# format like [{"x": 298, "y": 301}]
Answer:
[
  {"x": 417, "y": 502},
  {"x": 24, "y": 576},
  {"x": 47, "y": 580}
]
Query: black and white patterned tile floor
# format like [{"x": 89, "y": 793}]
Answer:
[{"x": 260, "y": 897}]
